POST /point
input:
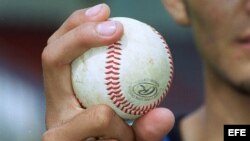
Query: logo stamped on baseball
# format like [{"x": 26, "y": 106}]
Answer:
[
  {"x": 132, "y": 76},
  {"x": 144, "y": 90}
]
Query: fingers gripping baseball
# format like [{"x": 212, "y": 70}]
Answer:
[
  {"x": 119, "y": 80},
  {"x": 74, "y": 37},
  {"x": 104, "y": 124},
  {"x": 65, "y": 120},
  {"x": 79, "y": 33},
  {"x": 75, "y": 42},
  {"x": 58, "y": 55}
]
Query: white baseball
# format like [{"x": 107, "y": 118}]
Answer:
[{"x": 132, "y": 76}]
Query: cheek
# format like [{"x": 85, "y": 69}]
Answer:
[
  {"x": 214, "y": 27},
  {"x": 210, "y": 19},
  {"x": 211, "y": 30}
]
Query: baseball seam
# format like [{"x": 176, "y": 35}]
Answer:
[
  {"x": 112, "y": 78},
  {"x": 170, "y": 58}
]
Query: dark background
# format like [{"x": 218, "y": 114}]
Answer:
[{"x": 25, "y": 26}]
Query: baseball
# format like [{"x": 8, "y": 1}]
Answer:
[{"x": 132, "y": 76}]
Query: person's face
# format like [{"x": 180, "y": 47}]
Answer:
[{"x": 222, "y": 33}]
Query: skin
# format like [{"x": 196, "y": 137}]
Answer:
[
  {"x": 222, "y": 34},
  {"x": 66, "y": 120}
]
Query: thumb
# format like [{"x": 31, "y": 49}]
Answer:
[{"x": 154, "y": 125}]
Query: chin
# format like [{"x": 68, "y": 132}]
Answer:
[
  {"x": 240, "y": 83},
  {"x": 238, "y": 77},
  {"x": 242, "y": 87}
]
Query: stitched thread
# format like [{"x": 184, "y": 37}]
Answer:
[{"x": 113, "y": 80}]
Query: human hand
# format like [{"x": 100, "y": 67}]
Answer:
[{"x": 66, "y": 120}]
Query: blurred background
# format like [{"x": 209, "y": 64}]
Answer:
[{"x": 25, "y": 26}]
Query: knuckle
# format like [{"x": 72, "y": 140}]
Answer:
[
  {"x": 48, "y": 136},
  {"x": 50, "y": 40},
  {"x": 45, "y": 56},
  {"x": 80, "y": 34},
  {"x": 103, "y": 116},
  {"x": 83, "y": 34},
  {"x": 74, "y": 19},
  {"x": 48, "y": 60},
  {"x": 86, "y": 34}
]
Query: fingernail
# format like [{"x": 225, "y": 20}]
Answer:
[
  {"x": 107, "y": 28},
  {"x": 93, "y": 11}
]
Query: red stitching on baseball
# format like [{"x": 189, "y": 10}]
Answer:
[
  {"x": 112, "y": 72},
  {"x": 113, "y": 56},
  {"x": 112, "y": 67},
  {"x": 112, "y": 78},
  {"x": 115, "y": 47},
  {"x": 114, "y": 52},
  {"x": 171, "y": 63},
  {"x": 112, "y": 83},
  {"x": 113, "y": 87},
  {"x": 117, "y": 43},
  {"x": 113, "y": 63},
  {"x": 114, "y": 92},
  {"x": 125, "y": 102}
]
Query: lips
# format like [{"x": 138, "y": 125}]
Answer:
[{"x": 244, "y": 40}]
